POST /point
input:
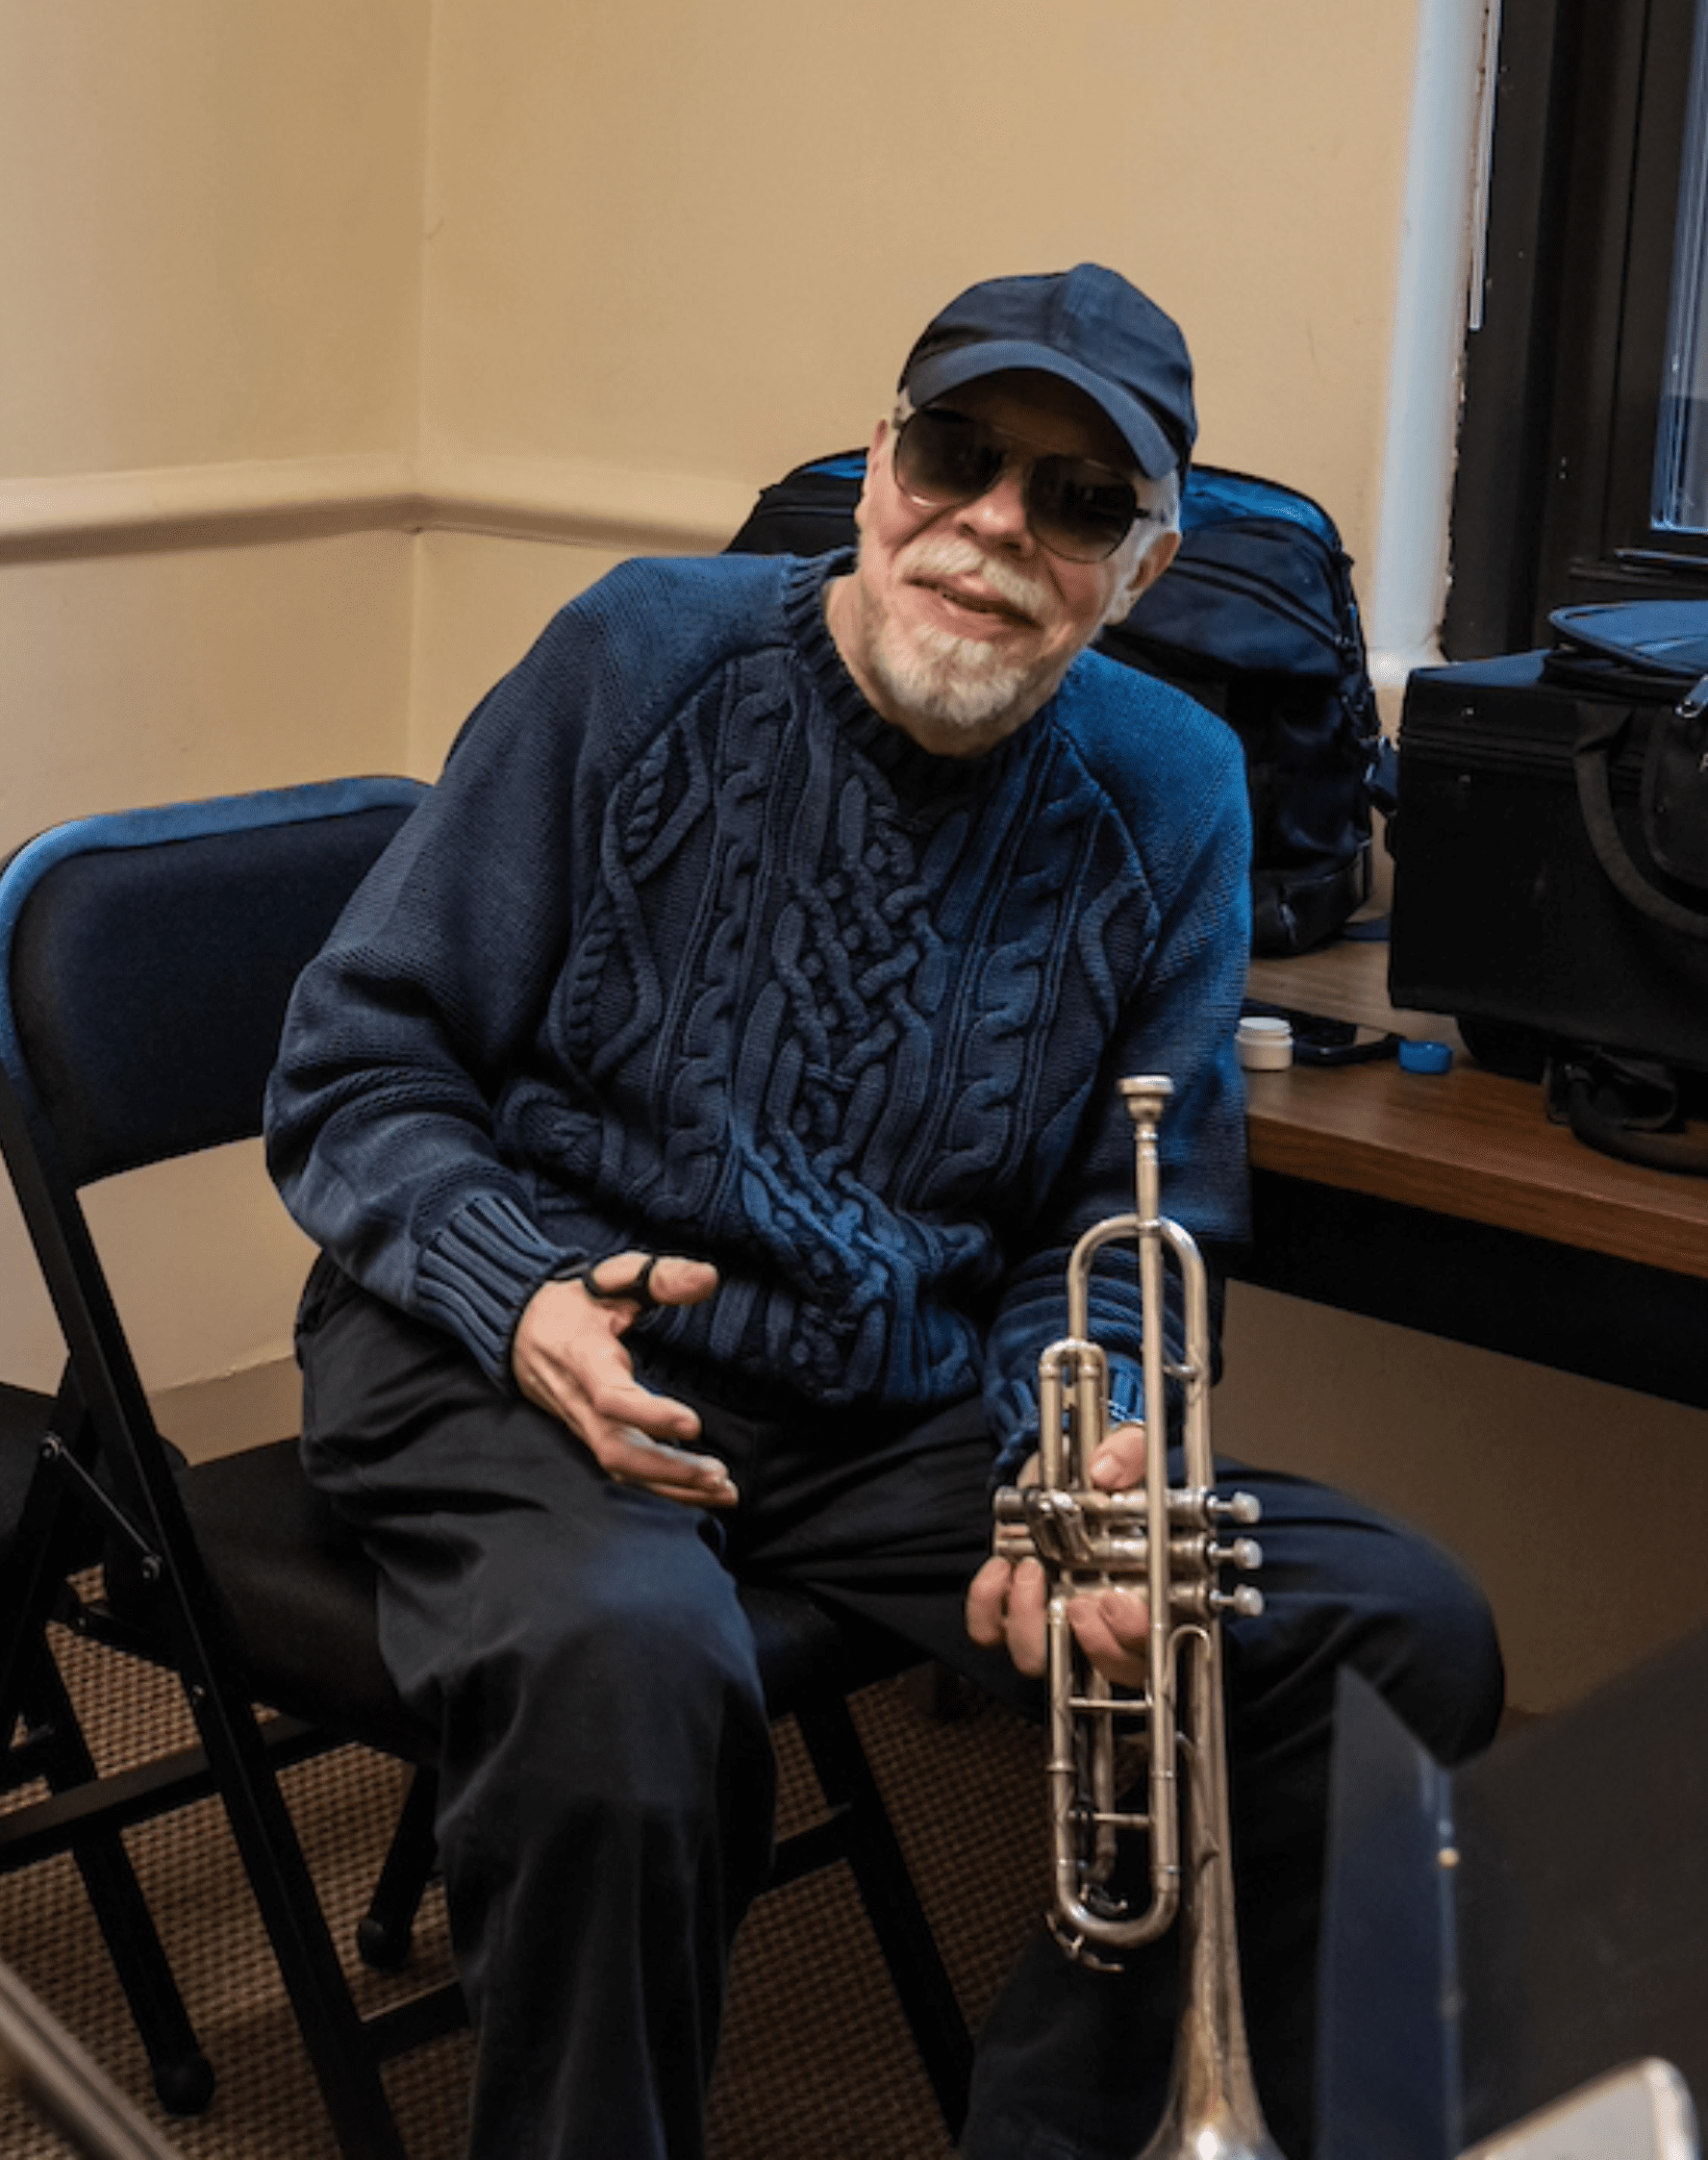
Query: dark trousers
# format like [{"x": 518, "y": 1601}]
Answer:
[{"x": 607, "y": 1774}]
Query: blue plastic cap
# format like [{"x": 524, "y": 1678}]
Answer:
[{"x": 1425, "y": 1057}]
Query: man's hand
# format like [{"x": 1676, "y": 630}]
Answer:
[
  {"x": 568, "y": 1358},
  {"x": 1005, "y": 1601}
]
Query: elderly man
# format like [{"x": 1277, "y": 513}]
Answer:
[{"x": 694, "y": 1111}]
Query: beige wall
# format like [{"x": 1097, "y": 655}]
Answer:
[
  {"x": 207, "y": 231},
  {"x": 344, "y": 339},
  {"x": 674, "y": 250},
  {"x": 154, "y": 676},
  {"x": 209, "y": 345},
  {"x": 698, "y": 240},
  {"x": 209, "y": 349},
  {"x": 1577, "y": 1505}
]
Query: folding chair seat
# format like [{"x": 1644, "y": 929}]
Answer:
[{"x": 145, "y": 962}]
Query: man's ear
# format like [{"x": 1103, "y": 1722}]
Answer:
[
  {"x": 1144, "y": 573},
  {"x": 880, "y": 438}
]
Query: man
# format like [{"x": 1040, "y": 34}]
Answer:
[{"x": 695, "y": 1109}]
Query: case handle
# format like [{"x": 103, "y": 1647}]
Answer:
[
  {"x": 1625, "y": 1107},
  {"x": 1599, "y": 729}
]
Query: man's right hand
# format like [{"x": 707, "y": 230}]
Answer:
[{"x": 570, "y": 1360}]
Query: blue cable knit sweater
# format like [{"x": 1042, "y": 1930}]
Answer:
[{"x": 691, "y": 951}]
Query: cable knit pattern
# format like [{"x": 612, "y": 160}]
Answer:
[{"x": 690, "y": 950}]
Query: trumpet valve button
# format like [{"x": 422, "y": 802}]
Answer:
[{"x": 1243, "y": 1604}]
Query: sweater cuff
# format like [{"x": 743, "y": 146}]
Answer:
[
  {"x": 478, "y": 1274},
  {"x": 1126, "y": 1391},
  {"x": 1013, "y": 1414}
]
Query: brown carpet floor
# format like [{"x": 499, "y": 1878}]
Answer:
[{"x": 816, "y": 2058}]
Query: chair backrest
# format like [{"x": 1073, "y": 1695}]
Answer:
[{"x": 146, "y": 958}]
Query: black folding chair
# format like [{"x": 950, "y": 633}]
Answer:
[{"x": 145, "y": 962}]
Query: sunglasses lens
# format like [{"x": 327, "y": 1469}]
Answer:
[
  {"x": 1078, "y": 510},
  {"x": 946, "y": 458}
]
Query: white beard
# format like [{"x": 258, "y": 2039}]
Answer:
[
  {"x": 966, "y": 684},
  {"x": 961, "y": 683}
]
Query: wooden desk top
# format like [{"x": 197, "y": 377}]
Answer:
[{"x": 1464, "y": 1143}]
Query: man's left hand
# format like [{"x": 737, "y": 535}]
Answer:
[{"x": 1006, "y": 1599}]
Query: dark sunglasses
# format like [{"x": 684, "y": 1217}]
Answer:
[{"x": 1076, "y": 508}]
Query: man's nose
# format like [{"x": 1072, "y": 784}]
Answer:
[{"x": 999, "y": 516}]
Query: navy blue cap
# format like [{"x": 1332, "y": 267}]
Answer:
[{"x": 1088, "y": 326}]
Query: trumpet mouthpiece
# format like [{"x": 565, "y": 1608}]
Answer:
[{"x": 1152, "y": 1089}]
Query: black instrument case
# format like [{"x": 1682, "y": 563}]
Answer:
[{"x": 1551, "y": 855}]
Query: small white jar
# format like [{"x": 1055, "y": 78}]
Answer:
[{"x": 1264, "y": 1045}]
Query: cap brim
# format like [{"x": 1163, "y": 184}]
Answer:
[{"x": 933, "y": 377}]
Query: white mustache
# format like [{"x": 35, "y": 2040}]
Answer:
[{"x": 933, "y": 556}]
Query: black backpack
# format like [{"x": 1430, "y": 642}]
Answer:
[{"x": 1256, "y": 619}]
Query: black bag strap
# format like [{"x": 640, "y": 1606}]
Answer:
[
  {"x": 1600, "y": 728},
  {"x": 1625, "y": 1107}
]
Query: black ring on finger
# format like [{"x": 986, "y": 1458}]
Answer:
[{"x": 639, "y": 1292}]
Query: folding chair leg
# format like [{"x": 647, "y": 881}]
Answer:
[
  {"x": 183, "y": 2076},
  {"x": 345, "y": 2061},
  {"x": 917, "y": 1971},
  {"x": 385, "y": 1931}
]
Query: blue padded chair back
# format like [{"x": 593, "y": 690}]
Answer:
[{"x": 147, "y": 956}]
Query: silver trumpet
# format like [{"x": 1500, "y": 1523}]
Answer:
[{"x": 1090, "y": 1539}]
